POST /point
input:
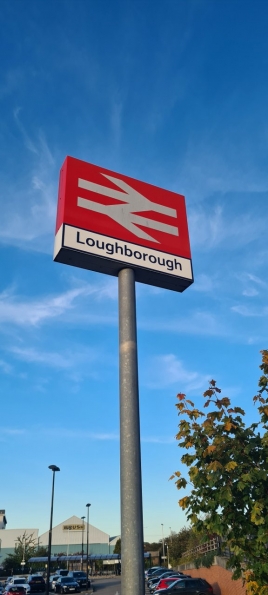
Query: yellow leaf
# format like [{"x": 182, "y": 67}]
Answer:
[
  {"x": 210, "y": 448},
  {"x": 230, "y": 466},
  {"x": 183, "y": 502},
  {"x": 188, "y": 444}
]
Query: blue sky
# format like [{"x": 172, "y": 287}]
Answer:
[{"x": 173, "y": 93}]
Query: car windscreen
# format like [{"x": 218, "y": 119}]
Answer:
[
  {"x": 36, "y": 579},
  {"x": 66, "y": 580},
  {"x": 79, "y": 574}
]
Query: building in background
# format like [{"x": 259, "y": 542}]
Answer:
[
  {"x": 3, "y": 520},
  {"x": 67, "y": 538}
]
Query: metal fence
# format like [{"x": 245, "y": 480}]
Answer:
[{"x": 213, "y": 545}]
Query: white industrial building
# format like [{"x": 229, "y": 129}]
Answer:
[{"x": 67, "y": 538}]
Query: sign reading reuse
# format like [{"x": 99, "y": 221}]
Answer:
[{"x": 107, "y": 221}]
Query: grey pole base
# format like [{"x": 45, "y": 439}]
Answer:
[{"x": 132, "y": 553}]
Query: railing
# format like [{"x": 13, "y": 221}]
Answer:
[{"x": 209, "y": 546}]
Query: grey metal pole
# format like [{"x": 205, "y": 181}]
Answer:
[
  {"x": 82, "y": 518},
  {"x": 163, "y": 544},
  {"x": 87, "y": 505},
  {"x": 53, "y": 468},
  {"x": 132, "y": 554}
]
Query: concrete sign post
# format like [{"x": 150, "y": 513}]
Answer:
[{"x": 110, "y": 223}]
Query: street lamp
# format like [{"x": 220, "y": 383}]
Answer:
[
  {"x": 167, "y": 555},
  {"x": 23, "y": 553},
  {"x": 82, "y": 517},
  {"x": 163, "y": 542},
  {"x": 87, "y": 505},
  {"x": 53, "y": 468}
]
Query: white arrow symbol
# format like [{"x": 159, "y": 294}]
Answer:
[{"x": 131, "y": 202}]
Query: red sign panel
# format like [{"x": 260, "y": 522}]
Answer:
[{"x": 107, "y": 221}]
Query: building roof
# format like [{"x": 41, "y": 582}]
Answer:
[{"x": 62, "y": 535}]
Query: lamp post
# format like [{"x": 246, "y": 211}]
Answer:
[
  {"x": 83, "y": 518},
  {"x": 23, "y": 553},
  {"x": 87, "y": 505},
  {"x": 163, "y": 542},
  {"x": 53, "y": 468}
]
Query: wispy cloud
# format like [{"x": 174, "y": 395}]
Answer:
[
  {"x": 204, "y": 283},
  {"x": 12, "y": 80},
  {"x": 21, "y": 311},
  {"x": 28, "y": 142},
  {"x": 15, "y": 310},
  {"x": 208, "y": 168},
  {"x": 6, "y": 368},
  {"x": 49, "y": 358},
  {"x": 77, "y": 434},
  {"x": 157, "y": 440},
  {"x": 253, "y": 285},
  {"x": 196, "y": 323},
  {"x": 167, "y": 370},
  {"x": 256, "y": 280},
  {"x": 250, "y": 292},
  {"x": 28, "y": 212},
  {"x": 13, "y": 431},
  {"x": 80, "y": 434},
  {"x": 213, "y": 226},
  {"x": 250, "y": 312}
]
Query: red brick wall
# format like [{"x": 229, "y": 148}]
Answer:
[{"x": 220, "y": 579}]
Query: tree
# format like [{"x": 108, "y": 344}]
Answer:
[
  {"x": 117, "y": 547},
  {"x": 152, "y": 547},
  {"x": 24, "y": 549},
  {"x": 179, "y": 543},
  {"x": 228, "y": 475}
]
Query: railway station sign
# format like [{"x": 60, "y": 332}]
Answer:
[{"x": 108, "y": 221}]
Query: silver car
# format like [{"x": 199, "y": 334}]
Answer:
[
  {"x": 52, "y": 581},
  {"x": 20, "y": 582}
]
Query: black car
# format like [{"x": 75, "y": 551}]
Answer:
[
  {"x": 80, "y": 577},
  {"x": 37, "y": 583},
  {"x": 188, "y": 586},
  {"x": 157, "y": 573},
  {"x": 66, "y": 584}
]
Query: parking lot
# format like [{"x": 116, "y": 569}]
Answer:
[
  {"x": 109, "y": 586},
  {"x": 103, "y": 585}
]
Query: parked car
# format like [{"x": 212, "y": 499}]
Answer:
[
  {"x": 20, "y": 581},
  {"x": 165, "y": 582},
  {"x": 149, "y": 571},
  {"x": 153, "y": 580},
  {"x": 52, "y": 581},
  {"x": 14, "y": 590},
  {"x": 187, "y": 586},
  {"x": 62, "y": 572},
  {"x": 80, "y": 577},
  {"x": 157, "y": 573},
  {"x": 66, "y": 584},
  {"x": 37, "y": 583}
]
